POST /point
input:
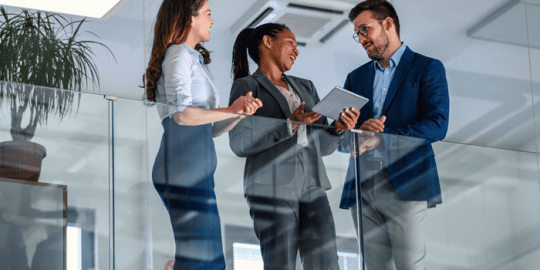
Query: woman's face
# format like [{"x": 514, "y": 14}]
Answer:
[
  {"x": 283, "y": 50},
  {"x": 201, "y": 24}
]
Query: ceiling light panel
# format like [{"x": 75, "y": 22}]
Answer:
[{"x": 101, "y": 9}]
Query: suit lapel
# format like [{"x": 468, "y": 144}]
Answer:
[
  {"x": 405, "y": 64},
  {"x": 368, "y": 86},
  {"x": 272, "y": 89},
  {"x": 301, "y": 93}
]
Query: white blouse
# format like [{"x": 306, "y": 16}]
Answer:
[{"x": 185, "y": 80}]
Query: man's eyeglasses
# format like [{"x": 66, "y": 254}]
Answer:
[{"x": 363, "y": 31}]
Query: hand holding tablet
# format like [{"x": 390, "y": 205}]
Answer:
[{"x": 339, "y": 99}]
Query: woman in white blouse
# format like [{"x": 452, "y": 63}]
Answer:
[{"x": 183, "y": 171}]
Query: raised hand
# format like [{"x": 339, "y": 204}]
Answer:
[
  {"x": 246, "y": 104},
  {"x": 251, "y": 104},
  {"x": 300, "y": 116}
]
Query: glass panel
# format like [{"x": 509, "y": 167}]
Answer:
[
  {"x": 138, "y": 208},
  {"x": 489, "y": 215},
  {"x": 398, "y": 181},
  {"x": 71, "y": 132},
  {"x": 32, "y": 225},
  {"x": 283, "y": 169},
  {"x": 533, "y": 32},
  {"x": 481, "y": 46}
]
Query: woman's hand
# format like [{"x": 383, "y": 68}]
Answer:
[
  {"x": 348, "y": 119},
  {"x": 300, "y": 116},
  {"x": 246, "y": 104}
]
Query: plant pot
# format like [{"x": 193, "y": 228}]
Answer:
[{"x": 21, "y": 160}]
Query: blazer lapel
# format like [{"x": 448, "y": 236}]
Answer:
[
  {"x": 405, "y": 64},
  {"x": 367, "y": 85},
  {"x": 301, "y": 93},
  {"x": 272, "y": 89}
]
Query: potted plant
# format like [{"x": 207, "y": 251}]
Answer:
[{"x": 40, "y": 53}]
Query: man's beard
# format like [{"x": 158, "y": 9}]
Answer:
[{"x": 380, "y": 48}]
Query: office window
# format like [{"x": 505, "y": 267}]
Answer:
[
  {"x": 74, "y": 248},
  {"x": 247, "y": 257},
  {"x": 80, "y": 239}
]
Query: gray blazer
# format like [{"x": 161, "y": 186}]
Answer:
[{"x": 274, "y": 159}]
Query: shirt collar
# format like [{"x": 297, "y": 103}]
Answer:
[
  {"x": 197, "y": 57},
  {"x": 394, "y": 60}
]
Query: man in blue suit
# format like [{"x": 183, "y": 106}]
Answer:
[{"x": 408, "y": 95}]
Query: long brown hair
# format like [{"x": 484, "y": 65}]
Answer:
[{"x": 173, "y": 24}]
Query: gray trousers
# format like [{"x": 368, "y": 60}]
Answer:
[
  {"x": 394, "y": 229},
  {"x": 286, "y": 226}
]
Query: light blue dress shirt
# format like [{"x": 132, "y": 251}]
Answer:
[
  {"x": 383, "y": 78},
  {"x": 185, "y": 80}
]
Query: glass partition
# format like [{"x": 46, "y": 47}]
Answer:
[
  {"x": 283, "y": 168},
  {"x": 33, "y": 225},
  {"x": 487, "y": 220},
  {"x": 489, "y": 195},
  {"x": 489, "y": 215},
  {"x": 69, "y": 147},
  {"x": 533, "y": 33}
]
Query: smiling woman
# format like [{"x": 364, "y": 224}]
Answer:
[
  {"x": 300, "y": 218},
  {"x": 183, "y": 173}
]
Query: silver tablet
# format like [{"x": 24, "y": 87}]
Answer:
[{"x": 338, "y": 100}]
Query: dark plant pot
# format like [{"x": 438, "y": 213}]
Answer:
[{"x": 21, "y": 160}]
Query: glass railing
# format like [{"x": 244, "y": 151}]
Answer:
[
  {"x": 69, "y": 148},
  {"x": 103, "y": 153},
  {"x": 260, "y": 166}
]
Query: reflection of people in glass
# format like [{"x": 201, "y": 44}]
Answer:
[
  {"x": 183, "y": 170},
  {"x": 12, "y": 225},
  {"x": 285, "y": 181},
  {"x": 364, "y": 142},
  {"x": 408, "y": 96}
]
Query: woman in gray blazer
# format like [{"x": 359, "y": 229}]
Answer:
[{"x": 285, "y": 181}]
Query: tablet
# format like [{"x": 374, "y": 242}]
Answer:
[{"x": 338, "y": 100}]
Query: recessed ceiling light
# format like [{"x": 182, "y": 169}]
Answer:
[{"x": 101, "y": 9}]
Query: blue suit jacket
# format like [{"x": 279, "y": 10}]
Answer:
[{"x": 416, "y": 105}]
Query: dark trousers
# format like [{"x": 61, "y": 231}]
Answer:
[{"x": 286, "y": 226}]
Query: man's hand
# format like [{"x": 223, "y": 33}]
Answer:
[
  {"x": 374, "y": 125},
  {"x": 348, "y": 119}
]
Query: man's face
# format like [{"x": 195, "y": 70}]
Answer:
[{"x": 376, "y": 41}]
